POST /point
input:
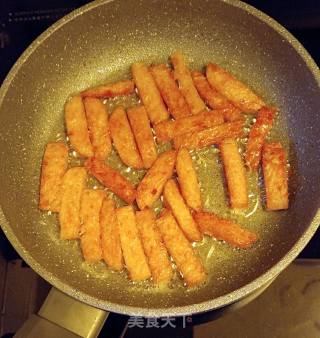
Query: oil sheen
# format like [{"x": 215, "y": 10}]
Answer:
[{"x": 218, "y": 257}]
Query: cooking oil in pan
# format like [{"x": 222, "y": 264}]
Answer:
[{"x": 223, "y": 263}]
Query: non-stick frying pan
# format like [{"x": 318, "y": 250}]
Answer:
[{"x": 97, "y": 43}]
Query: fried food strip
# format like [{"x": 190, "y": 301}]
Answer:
[
  {"x": 77, "y": 127},
  {"x": 235, "y": 174},
  {"x": 91, "y": 202},
  {"x": 275, "y": 174},
  {"x": 257, "y": 136},
  {"x": 156, "y": 252},
  {"x": 170, "y": 92},
  {"x": 54, "y": 166},
  {"x": 207, "y": 137},
  {"x": 74, "y": 182},
  {"x": 213, "y": 98},
  {"x": 183, "y": 75},
  {"x": 134, "y": 257},
  {"x": 151, "y": 186},
  {"x": 140, "y": 125},
  {"x": 233, "y": 89},
  {"x": 167, "y": 130},
  {"x": 149, "y": 93},
  {"x": 181, "y": 212},
  {"x": 124, "y": 87},
  {"x": 98, "y": 125},
  {"x": 187, "y": 261},
  {"x": 110, "y": 237},
  {"x": 188, "y": 182},
  {"x": 123, "y": 138},
  {"x": 111, "y": 179},
  {"x": 225, "y": 229}
]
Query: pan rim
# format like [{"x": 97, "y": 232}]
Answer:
[{"x": 207, "y": 305}]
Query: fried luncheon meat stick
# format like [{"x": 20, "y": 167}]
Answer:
[
  {"x": 275, "y": 174},
  {"x": 258, "y": 133},
  {"x": 142, "y": 131},
  {"x": 155, "y": 250},
  {"x": 110, "y": 237},
  {"x": 188, "y": 180},
  {"x": 124, "y": 87},
  {"x": 170, "y": 92},
  {"x": 225, "y": 229},
  {"x": 183, "y": 75},
  {"x": 167, "y": 130},
  {"x": 53, "y": 168},
  {"x": 187, "y": 261},
  {"x": 235, "y": 174},
  {"x": 73, "y": 184},
  {"x": 149, "y": 93},
  {"x": 233, "y": 89},
  {"x": 77, "y": 127},
  {"x": 111, "y": 179},
  {"x": 134, "y": 256},
  {"x": 123, "y": 138},
  {"x": 90, "y": 241},
  {"x": 152, "y": 184},
  {"x": 97, "y": 120}
]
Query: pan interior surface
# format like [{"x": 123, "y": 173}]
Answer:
[{"x": 98, "y": 44}]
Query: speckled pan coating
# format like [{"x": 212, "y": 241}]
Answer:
[{"x": 100, "y": 41}]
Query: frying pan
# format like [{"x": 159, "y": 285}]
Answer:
[{"x": 97, "y": 43}]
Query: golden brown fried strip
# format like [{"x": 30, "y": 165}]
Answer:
[
  {"x": 183, "y": 75},
  {"x": 275, "y": 174},
  {"x": 181, "y": 212},
  {"x": 149, "y": 93},
  {"x": 77, "y": 127},
  {"x": 167, "y": 130},
  {"x": 123, "y": 138},
  {"x": 156, "y": 252},
  {"x": 198, "y": 122},
  {"x": 140, "y": 125},
  {"x": 74, "y": 182},
  {"x": 224, "y": 229},
  {"x": 188, "y": 181},
  {"x": 111, "y": 179},
  {"x": 151, "y": 186},
  {"x": 110, "y": 237},
  {"x": 187, "y": 261},
  {"x": 207, "y": 137},
  {"x": 124, "y": 87},
  {"x": 134, "y": 257},
  {"x": 90, "y": 242},
  {"x": 170, "y": 92},
  {"x": 233, "y": 89},
  {"x": 235, "y": 174},
  {"x": 54, "y": 166},
  {"x": 213, "y": 98},
  {"x": 257, "y": 136},
  {"x": 98, "y": 125}
]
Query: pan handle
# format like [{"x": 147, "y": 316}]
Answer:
[{"x": 72, "y": 318}]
